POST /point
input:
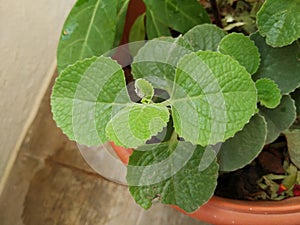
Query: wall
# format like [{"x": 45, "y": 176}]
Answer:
[{"x": 29, "y": 33}]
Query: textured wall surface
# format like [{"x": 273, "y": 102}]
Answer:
[{"x": 29, "y": 32}]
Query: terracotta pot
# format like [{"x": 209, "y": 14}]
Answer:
[{"x": 224, "y": 211}]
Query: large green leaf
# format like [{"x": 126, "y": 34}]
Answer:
[
  {"x": 171, "y": 174},
  {"x": 85, "y": 97},
  {"x": 137, "y": 32},
  {"x": 280, "y": 118},
  {"x": 279, "y": 21},
  {"x": 122, "y": 6},
  {"x": 89, "y": 30},
  {"x": 154, "y": 27},
  {"x": 133, "y": 125},
  {"x": 278, "y": 64},
  {"x": 213, "y": 97},
  {"x": 242, "y": 49},
  {"x": 268, "y": 93},
  {"x": 178, "y": 15},
  {"x": 293, "y": 142},
  {"x": 204, "y": 37},
  {"x": 240, "y": 150},
  {"x": 137, "y": 35},
  {"x": 157, "y": 60}
]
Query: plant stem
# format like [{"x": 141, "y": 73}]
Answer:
[{"x": 216, "y": 13}]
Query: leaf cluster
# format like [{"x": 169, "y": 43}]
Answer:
[{"x": 219, "y": 97}]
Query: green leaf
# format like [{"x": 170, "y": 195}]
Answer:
[
  {"x": 293, "y": 142},
  {"x": 213, "y": 97},
  {"x": 204, "y": 37},
  {"x": 154, "y": 27},
  {"x": 89, "y": 30},
  {"x": 133, "y": 125},
  {"x": 122, "y": 6},
  {"x": 157, "y": 60},
  {"x": 296, "y": 96},
  {"x": 245, "y": 146},
  {"x": 278, "y": 64},
  {"x": 178, "y": 15},
  {"x": 241, "y": 48},
  {"x": 268, "y": 93},
  {"x": 170, "y": 173},
  {"x": 144, "y": 89},
  {"x": 85, "y": 97},
  {"x": 137, "y": 33},
  {"x": 280, "y": 118},
  {"x": 279, "y": 21}
]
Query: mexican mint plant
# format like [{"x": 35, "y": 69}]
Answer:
[{"x": 206, "y": 101}]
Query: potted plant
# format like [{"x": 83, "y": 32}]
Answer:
[{"x": 201, "y": 103}]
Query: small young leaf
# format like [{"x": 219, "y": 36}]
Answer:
[
  {"x": 157, "y": 60},
  {"x": 178, "y": 15},
  {"x": 85, "y": 97},
  {"x": 293, "y": 142},
  {"x": 279, "y": 21},
  {"x": 144, "y": 89},
  {"x": 242, "y": 49},
  {"x": 137, "y": 33},
  {"x": 268, "y": 93},
  {"x": 155, "y": 28},
  {"x": 213, "y": 97},
  {"x": 187, "y": 186},
  {"x": 278, "y": 64},
  {"x": 204, "y": 37},
  {"x": 246, "y": 144},
  {"x": 88, "y": 31},
  {"x": 133, "y": 125},
  {"x": 280, "y": 118}
]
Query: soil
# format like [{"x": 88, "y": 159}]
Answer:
[{"x": 242, "y": 183}]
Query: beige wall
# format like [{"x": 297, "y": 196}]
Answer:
[{"x": 29, "y": 32}]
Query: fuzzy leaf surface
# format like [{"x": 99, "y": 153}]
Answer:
[
  {"x": 180, "y": 182},
  {"x": 268, "y": 93},
  {"x": 245, "y": 146},
  {"x": 143, "y": 88},
  {"x": 133, "y": 125},
  {"x": 122, "y": 6},
  {"x": 293, "y": 142},
  {"x": 204, "y": 37},
  {"x": 213, "y": 97},
  {"x": 278, "y": 64},
  {"x": 89, "y": 30},
  {"x": 85, "y": 97},
  {"x": 137, "y": 34},
  {"x": 178, "y": 15},
  {"x": 242, "y": 49},
  {"x": 279, "y": 22},
  {"x": 156, "y": 61},
  {"x": 280, "y": 118},
  {"x": 155, "y": 28}
]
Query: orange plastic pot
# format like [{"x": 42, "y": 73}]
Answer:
[{"x": 224, "y": 211}]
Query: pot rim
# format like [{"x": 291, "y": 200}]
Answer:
[
  {"x": 288, "y": 205},
  {"x": 285, "y": 206}
]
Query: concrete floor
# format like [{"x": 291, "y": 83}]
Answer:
[{"x": 51, "y": 184}]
